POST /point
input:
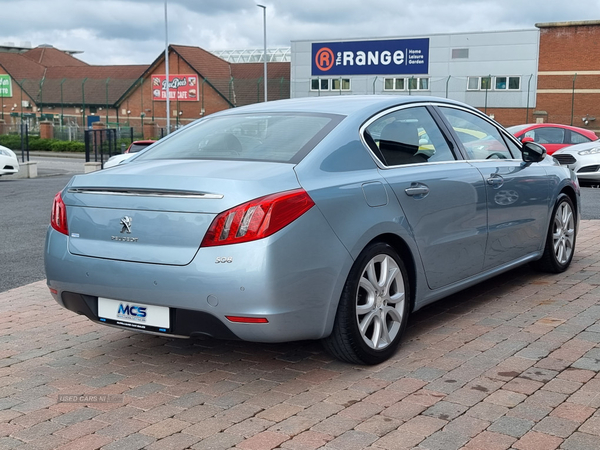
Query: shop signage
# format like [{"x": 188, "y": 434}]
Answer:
[
  {"x": 5, "y": 86},
  {"x": 383, "y": 57},
  {"x": 183, "y": 88}
]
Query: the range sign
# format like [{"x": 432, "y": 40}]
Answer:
[
  {"x": 386, "y": 57},
  {"x": 183, "y": 88}
]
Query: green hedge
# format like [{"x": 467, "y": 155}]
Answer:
[
  {"x": 11, "y": 141},
  {"x": 66, "y": 146},
  {"x": 36, "y": 144}
]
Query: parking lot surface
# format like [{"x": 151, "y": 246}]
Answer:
[{"x": 509, "y": 364}]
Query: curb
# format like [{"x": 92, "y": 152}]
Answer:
[{"x": 57, "y": 154}]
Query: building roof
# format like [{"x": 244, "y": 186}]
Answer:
[
  {"x": 50, "y": 57},
  {"x": 50, "y": 76},
  {"x": 21, "y": 68},
  {"x": 580, "y": 23},
  {"x": 205, "y": 63},
  {"x": 97, "y": 85}
]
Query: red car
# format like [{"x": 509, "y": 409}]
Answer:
[
  {"x": 136, "y": 146},
  {"x": 553, "y": 136}
]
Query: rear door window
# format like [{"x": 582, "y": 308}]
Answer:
[
  {"x": 407, "y": 136},
  {"x": 577, "y": 138}
]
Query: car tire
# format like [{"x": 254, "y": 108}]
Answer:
[
  {"x": 373, "y": 308},
  {"x": 560, "y": 240}
]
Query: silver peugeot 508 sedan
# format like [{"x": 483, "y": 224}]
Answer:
[{"x": 319, "y": 218}]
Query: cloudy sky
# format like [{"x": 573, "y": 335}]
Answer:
[{"x": 133, "y": 31}]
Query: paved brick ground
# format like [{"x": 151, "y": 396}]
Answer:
[{"x": 510, "y": 364}]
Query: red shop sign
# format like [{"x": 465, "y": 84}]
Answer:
[{"x": 183, "y": 88}]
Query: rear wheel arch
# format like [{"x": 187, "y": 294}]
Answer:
[
  {"x": 570, "y": 192},
  {"x": 374, "y": 307},
  {"x": 403, "y": 250},
  {"x": 559, "y": 244}
]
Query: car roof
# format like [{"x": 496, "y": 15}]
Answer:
[
  {"x": 531, "y": 126},
  {"x": 342, "y": 104}
]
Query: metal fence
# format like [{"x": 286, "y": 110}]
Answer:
[
  {"x": 51, "y": 96},
  {"x": 100, "y": 145}
]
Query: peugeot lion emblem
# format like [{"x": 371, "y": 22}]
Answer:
[{"x": 126, "y": 222}]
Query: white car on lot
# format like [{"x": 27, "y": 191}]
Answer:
[
  {"x": 135, "y": 147},
  {"x": 584, "y": 159},
  {"x": 8, "y": 161}
]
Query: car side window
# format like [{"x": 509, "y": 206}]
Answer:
[
  {"x": 547, "y": 135},
  {"x": 407, "y": 136},
  {"x": 480, "y": 138},
  {"x": 514, "y": 149},
  {"x": 578, "y": 138}
]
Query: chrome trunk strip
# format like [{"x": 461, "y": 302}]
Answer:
[{"x": 170, "y": 193}]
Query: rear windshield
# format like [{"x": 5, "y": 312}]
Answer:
[{"x": 283, "y": 137}]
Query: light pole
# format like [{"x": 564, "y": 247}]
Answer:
[
  {"x": 167, "y": 68},
  {"x": 265, "y": 45}
]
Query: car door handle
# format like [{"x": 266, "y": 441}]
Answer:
[
  {"x": 416, "y": 189},
  {"x": 495, "y": 180}
]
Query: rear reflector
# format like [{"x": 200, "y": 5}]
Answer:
[
  {"x": 240, "y": 319},
  {"x": 53, "y": 291}
]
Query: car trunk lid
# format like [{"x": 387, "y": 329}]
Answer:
[{"x": 158, "y": 211}]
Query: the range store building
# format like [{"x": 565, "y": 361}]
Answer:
[{"x": 545, "y": 74}]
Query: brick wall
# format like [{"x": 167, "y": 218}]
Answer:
[
  {"x": 567, "y": 49},
  {"x": 570, "y": 47},
  {"x": 510, "y": 116}
]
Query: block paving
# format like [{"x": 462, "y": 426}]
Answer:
[{"x": 510, "y": 364}]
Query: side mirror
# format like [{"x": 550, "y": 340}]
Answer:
[
  {"x": 533, "y": 152},
  {"x": 527, "y": 139}
]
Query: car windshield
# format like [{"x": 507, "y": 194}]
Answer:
[{"x": 286, "y": 137}]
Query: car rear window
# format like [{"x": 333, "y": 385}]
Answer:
[{"x": 282, "y": 137}]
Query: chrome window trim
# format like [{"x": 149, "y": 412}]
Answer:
[
  {"x": 146, "y": 193},
  {"x": 481, "y": 115},
  {"x": 378, "y": 162}
]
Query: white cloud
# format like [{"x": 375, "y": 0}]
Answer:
[{"x": 132, "y": 31}]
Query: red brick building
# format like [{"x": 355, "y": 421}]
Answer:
[
  {"x": 218, "y": 85},
  {"x": 48, "y": 84},
  {"x": 569, "y": 74}
]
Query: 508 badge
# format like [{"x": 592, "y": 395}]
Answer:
[{"x": 223, "y": 259}]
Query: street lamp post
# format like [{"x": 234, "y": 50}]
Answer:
[
  {"x": 167, "y": 69},
  {"x": 264, "y": 45}
]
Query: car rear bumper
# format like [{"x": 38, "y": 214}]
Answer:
[{"x": 295, "y": 289}]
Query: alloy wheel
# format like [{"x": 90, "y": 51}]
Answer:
[
  {"x": 563, "y": 233},
  {"x": 380, "y": 302}
]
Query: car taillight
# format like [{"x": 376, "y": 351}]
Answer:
[
  {"x": 257, "y": 218},
  {"x": 59, "y": 215}
]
